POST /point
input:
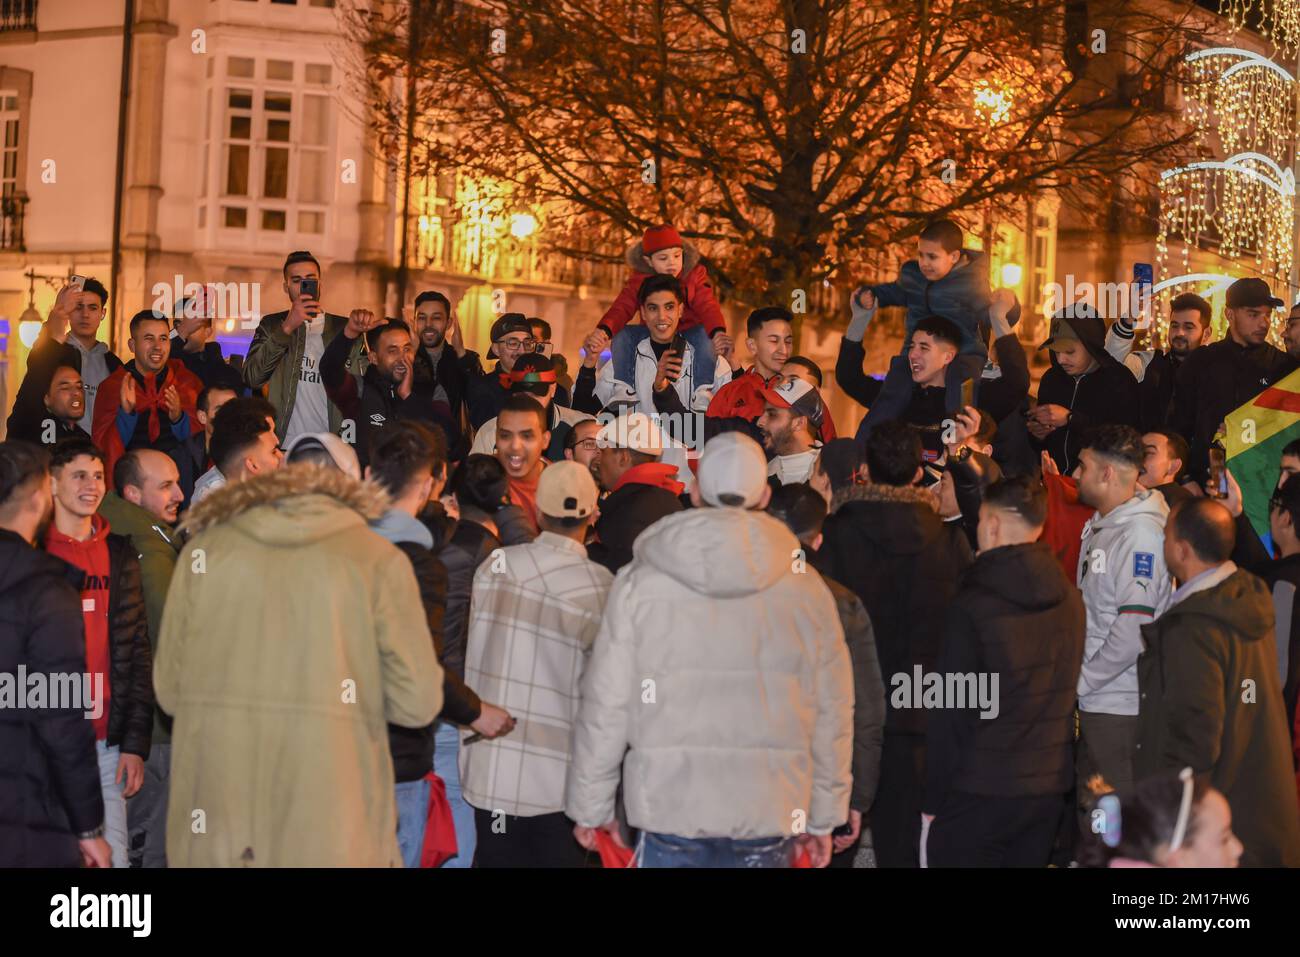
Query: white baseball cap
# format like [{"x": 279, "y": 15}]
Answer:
[
  {"x": 635, "y": 431},
  {"x": 732, "y": 464}
]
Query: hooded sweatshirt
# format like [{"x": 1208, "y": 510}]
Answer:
[
  {"x": 753, "y": 689},
  {"x": 91, "y": 556},
  {"x": 1107, "y": 394},
  {"x": 1125, "y": 585}
]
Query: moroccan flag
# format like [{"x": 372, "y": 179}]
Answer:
[{"x": 1256, "y": 434}]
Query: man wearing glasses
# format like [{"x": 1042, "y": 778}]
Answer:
[
  {"x": 542, "y": 334},
  {"x": 511, "y": 336}
]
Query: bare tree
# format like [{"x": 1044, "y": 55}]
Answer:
[{"x": 793, "y": 139}]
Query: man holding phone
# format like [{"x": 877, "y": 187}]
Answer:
[
  {"x": 69, "y": 337},
  {"x": 665, "y": 378},
  {"x": 286, "y": 352}
]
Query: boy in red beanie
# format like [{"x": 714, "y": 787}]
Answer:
[{"x": 661, "y": 250}]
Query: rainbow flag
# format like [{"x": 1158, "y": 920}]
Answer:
[{"x": 1256, "y": 434}]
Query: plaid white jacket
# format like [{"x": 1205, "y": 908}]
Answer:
[{"x": 534, "y": 613}]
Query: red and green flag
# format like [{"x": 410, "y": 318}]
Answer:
[{"x": 1256, "y": 434}]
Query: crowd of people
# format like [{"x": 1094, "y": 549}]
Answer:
[{"x": 368, "y": 598}]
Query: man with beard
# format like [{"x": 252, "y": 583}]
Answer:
[
  {"x": 149, "y": 403},
  {"x": 640, "y": 489},
  {"x": 383, "y": 393},
  {"x": 64, "y": 406},
  {"x": 1229, "y": 373},
  {"x": 1189, "y": 329},
  {"x": 443, "y": 371},
  {"x": 1125, "y": 585},
  {"x": 1291, "y": 333},
  {"x": 789, "y": 425},
  {"x": 144, "y": 510},
  {"x": 582, "y": 446}
]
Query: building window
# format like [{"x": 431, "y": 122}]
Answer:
[{"x": 273, "y": 164}]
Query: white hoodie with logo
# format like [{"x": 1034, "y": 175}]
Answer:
[{"x": 1125, "y": 585}]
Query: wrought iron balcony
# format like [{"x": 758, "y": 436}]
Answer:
[
  {"x": 17, "y": 15},
  {"x": 13, "y": 209}
]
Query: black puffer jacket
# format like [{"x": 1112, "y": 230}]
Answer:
[
  {"x": 130, "y": 708},
  {"x": 624, "y": 514},
  {"x": 469, "y": 547},
  {"x": 888, "y": 546},
  {"x": 412, "y": 748},
  {"x": 1108, "y": 395},
  {"x": 49, "y": 777},
  {"x": 1017, "y": 617}
]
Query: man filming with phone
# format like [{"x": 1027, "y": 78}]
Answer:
[{"x": 286, "y": 352}]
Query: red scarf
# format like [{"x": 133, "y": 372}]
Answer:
[{"x": 658, "y": 474}]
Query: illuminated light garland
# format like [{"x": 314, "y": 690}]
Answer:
[
  {"x": 1241, "y": 105},
  {"x": 1278, "y": 21}
]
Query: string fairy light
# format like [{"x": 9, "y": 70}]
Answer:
[{"x": 1241, "y": 105}]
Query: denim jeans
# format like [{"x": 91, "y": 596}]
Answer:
[
  {"x": 446, "y": 754},
  {"x": 147, "y": 811},
  {"x": 668, "y": 850},
  {"x": 622, "y": 352},
  {"x": 114, "y": 801},
  {"x": 412, "y": 813}
]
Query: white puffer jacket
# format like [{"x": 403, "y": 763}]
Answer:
[{"x": 721, "y": 665}]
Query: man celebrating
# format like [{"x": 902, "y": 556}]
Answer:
[
  {"x": 444, "y": 371},
  {"x": 522, "y": 436},
  {"x": 745, "y": 661},
  {"x": 1210, "y": 692},
  {"x": 790, "y": 424},
  {"x": 144, "y": 510},
  {"x": 149, "y": 402},
  {"x": 69, "y": 337},
  {"x": 287, "y": 349},
  {"x": 534, "y": 374},
  {"x": 117, "y": 630},
  {"x": 1219, "y": 377},
  {"x": 1189, "y": 329},
  {"x": 641, "y": 489},
  {"x": 48, "y": 771},
  {"x": 63, "y": 407},
  {"x": 1125, "y": 585},
  {"x": 385, "y": 392}
]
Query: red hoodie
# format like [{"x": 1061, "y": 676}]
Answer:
[
  {"x": 91, "y": 556},
  {"x": 658, "y": 474}
]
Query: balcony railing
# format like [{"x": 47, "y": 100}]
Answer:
[
  {"x": 17, "y": 15},
  {"x": 13, "y": 210}
]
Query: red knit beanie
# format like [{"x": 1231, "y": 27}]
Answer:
[{"x": 659, "y": 237}]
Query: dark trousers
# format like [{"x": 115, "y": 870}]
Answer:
[
  {"x": 896, "y": 815},
  {"x": 1106, "y": 746},
  {"x": 979, "y": 830},
  {"x": 546, "y": 840}
]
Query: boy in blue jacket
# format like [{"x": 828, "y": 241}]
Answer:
[{"x": 944, "y": 280}]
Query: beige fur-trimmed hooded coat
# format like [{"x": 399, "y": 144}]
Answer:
[{"x": 292, "y": 634}]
